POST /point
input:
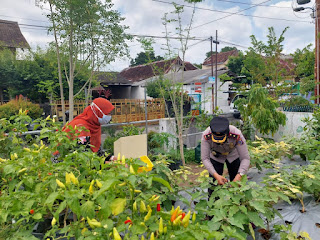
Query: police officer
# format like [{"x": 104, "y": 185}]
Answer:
[{"x": 223, "y": 143}]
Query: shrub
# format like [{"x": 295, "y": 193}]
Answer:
[
  {"x": 12, "y": 108},
  {"x": 296, "y": 101}
]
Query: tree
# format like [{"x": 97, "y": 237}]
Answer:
[
  {"x": 8, "y": 73},
  {"x": 168, "y": 86},
  {"x": 86, "y": 32},
  {"x": 143, "y": 58},
  {"x": 235, "y": 64},
  {"x": 304, "y": 60},
  {"x": 227, "y": 49},
  {"x": 262, "y": 61},
  {"x": 260, "y": 110},
  {"x": 208, "y": 54}
]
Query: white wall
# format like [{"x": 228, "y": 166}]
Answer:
[
  {"x": 206, "y": 96},
  {"x": 294, "y": 125},
  {"x": 137, "y": 92}
]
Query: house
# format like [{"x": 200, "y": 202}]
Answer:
[
  {"x": 11, "y": 37},
  {"x": 222, "y": 59},
  {"x": 196, "y": 84},
  {"x": 123, "y": 84}
]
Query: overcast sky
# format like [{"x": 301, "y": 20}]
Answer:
[{"x": 235, "y": 21}]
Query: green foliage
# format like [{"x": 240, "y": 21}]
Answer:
[
  {"x": 267, "y": 155},
  {"x": 12, "y": 108},
  {"x": 296, "y": 101},
  {"x": 158, "y": 141},
  {"x": 235, "y": 63},
  {"x": 286, "y": 233},
  {"x": 157, "y": 88},
  {"x": 227, "y": 49},
  {"x": 8, "y": 74},
  {"x": 208, "y": 54},
  {"x": 237, "y": 205},
  {"x": 261, "y": 110},
  {"x": 262, "y": 64},
  {"x": 304, "y": 66},
  {"x": 103, "y": 196},
  {"x": 295, "y": 182},
  {"x": 128, "y": 130},
  {"x": 309, "y": 150},
  {"x": 144, "y": 58}
]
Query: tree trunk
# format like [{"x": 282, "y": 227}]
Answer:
[
  {"x": 59, "y": 68},
  {"x": 71, "y": 72},
  {"x": 1, "y": 95}
]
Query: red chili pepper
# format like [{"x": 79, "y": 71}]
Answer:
[
  {"x": 127, "y": 221},
  {"x": 49, "y": 173},
  {"x": 158, "y": 207},
  {"x": 31, "y": 211},
  {"x": 183, "y": 214}
]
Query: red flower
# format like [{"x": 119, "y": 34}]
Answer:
[
  {"x": 128, "y": 221},
  {"x": 158, "y": 207},
  {"x": 49, "y": 173},
  {"x": 31, "y": 211}
]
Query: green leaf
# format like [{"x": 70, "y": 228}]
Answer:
[
  {"x": 217, "y": 235},
  {"x": 233, "y": 210},
  {"x": 243, "y": 209},
  {"x": 105, "y": 186},
  {"x": 62, "y": 206},
  {"x": 50, "y": 200},
  {"x": 87, "y": 209},
  {"x": 255, "y": 219},
  {"x": 118, "y": 205},
  {"x": 74, "y": 205},
  {"x": 37, "y": 216},
  {"x": 8, "y": 169},
  {"x": 252, "y": 231},
  {"x": 258, "y": 206},
  {"x": 162, "y": 181},
  {"x": 214, "y": 226},
  {"x": 3, "y": 215},
  {"x": 238, "y": 220}
]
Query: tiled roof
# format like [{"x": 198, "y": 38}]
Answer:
[
  {"x": 111, "y": 78},
  {"x": 11, "y": 36},
  {"x": 222, "y": 57},
  {"x": 141, "y": 72}
]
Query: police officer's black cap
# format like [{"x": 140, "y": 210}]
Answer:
[{"x": 219, "y": 125}]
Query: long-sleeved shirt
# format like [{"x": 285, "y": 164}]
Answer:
[{"x": 234, "y": 147}]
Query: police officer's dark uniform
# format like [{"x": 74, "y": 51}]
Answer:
[{"x": 223, "y": 143}]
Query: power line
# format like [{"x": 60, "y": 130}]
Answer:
[
  {"x": 165, "y": 37},
  {"x": 28, "y": 19},
  {"x": 233, "y": 44},
  {"x": 198, "y": 42},
  {"x": 230, "y": 13},
  {"x": 257, "y": 5}
]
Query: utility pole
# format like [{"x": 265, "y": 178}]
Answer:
[
  {"x": 214, "y": 93},
  {"x": 212, "y": 89},
  {"x": 317, "y": 86},
  {"x": 216, "y": 77}
]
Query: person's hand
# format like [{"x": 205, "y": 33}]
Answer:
[
  {"x": 113, "y": 158},
  {"x": 237, "y": 178},
  {"x": 220, "y": 179}
]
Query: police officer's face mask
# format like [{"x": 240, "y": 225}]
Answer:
[{"x": 105, "y": 118}]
